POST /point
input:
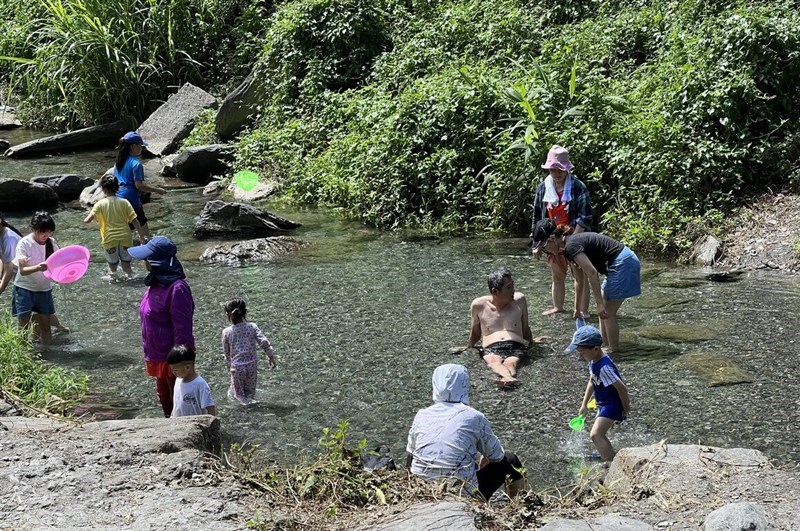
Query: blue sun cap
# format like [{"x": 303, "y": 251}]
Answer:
[{"x": 585, "y": 336}]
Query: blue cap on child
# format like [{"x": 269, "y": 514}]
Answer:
[{"x": 585, "y": 336}]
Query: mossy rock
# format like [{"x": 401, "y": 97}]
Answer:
[
  {"x": 634, "y": 349},
  {"x": 655, "y": 302},
  {"x": 682, "y": 333},
  {"x": 680, "y": 283},
  {"x": 717, "y": 370},
  {"x": 649, "y": 273}
]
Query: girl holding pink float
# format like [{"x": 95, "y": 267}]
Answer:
[{"x": 564, "y": 199}]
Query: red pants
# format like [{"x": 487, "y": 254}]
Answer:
[{"x": 165, "y": 383}]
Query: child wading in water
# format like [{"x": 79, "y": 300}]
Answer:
[
  {"x": 32, "y": 290},
  {"x": 605, "y": 384},
  {"x": 192, "y": 395},
  {"x": 114, "y": 214},
  {"x": 240, "y": 341}
]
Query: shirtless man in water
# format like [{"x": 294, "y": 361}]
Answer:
[{"x": 501, "y": 319}]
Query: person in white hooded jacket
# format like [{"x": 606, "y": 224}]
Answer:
[{"x": 451, "y": 440}]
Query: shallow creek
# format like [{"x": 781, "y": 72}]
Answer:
[{"x": 360, "y": 319}]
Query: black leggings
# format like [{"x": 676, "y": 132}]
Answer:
[{"x": 492, "y": 476}]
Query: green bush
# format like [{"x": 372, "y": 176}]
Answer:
[{"x": 25, "y": 376}]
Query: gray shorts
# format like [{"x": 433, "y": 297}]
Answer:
[{"x": 115, "y": 254}]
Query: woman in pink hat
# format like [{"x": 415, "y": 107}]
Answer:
[{"x": 564, "y": 199}]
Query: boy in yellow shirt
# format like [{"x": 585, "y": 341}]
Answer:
[{"x": 114, "y": 215}]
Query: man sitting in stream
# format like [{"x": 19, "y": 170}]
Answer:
[{"x": 501, "y": 319}]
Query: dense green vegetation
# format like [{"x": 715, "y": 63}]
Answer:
[
  {"x": 436, "y": 115},
  {"x": 26, "y": 377}
]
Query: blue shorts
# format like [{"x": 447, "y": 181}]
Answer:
[
  {"x": 611, "y": 411},
  {"x": 24, "y": 302},
  {"x": 622, "y": 279}
]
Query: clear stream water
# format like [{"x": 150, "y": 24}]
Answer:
[{"x": 360, "y": 319}]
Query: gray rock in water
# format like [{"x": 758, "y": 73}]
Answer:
[
  {"x": 4, "y": 144},
  {"x": 68, "y": 187},
  {"x": 98, "y": 136},
  {"x": 173, "y": 121},
  {"x": 8, "y": 120},
  {"x": 198, "y": 164},
  {"x": 440, "y": 516},
  {"x": 250, "y": 251},
  {"x": 238, "y": 108},
  {"x": 91, "y": 195},
  {"x": 742, "y": 516},
  {"x": 604, "y": 523},
  {"x": 706, "y": 251},
  {"x": 214, "y": 187},
  {"x": 219, "y": 218},
  {"x": 260, "y": 192},
  {"x": 17, "y": 195},
  {"x": 725, "y": 276}
]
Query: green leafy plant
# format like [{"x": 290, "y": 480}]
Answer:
[{"x": 26, "y": 378}]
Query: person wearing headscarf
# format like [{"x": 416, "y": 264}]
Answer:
[
  {"x": 166, "y": 312},
  {"x": 450, "y": 440},
  {"x": 563, "y": 198}
]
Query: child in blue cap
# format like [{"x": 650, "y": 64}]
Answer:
[{"x": 605, "y": 384}]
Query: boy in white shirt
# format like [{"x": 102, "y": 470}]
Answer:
[{"x": 192, "y": 394}]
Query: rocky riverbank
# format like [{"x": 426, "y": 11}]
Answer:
[
  {"x": 163, "y": 473},
  {"x": 765, "y": 235}
]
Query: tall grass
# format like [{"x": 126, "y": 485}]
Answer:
[
  {"x": 94, "y": 61},
  {"x": 25, "y": 376}
]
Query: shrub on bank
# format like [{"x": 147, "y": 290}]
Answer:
[
  {"x": 674, "y": 112},
  {"x": 24, "y": 376}
]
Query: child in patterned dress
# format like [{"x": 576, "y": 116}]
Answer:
[{"x": 240, "y": 342}]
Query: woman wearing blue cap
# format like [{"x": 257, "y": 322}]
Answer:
[
  {"x": 129, "y": 172},
  {"x": 166, "y": 312}
]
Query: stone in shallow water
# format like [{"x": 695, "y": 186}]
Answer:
[
  {"x": 653, "y": 302},
  {"x": 649, "y": 273},
  {"x": 634, "y": 349},
  {"x": 716, "y": 369},
  {"x": 680, "y": 283},
  {"x": 679, "y": 333}
]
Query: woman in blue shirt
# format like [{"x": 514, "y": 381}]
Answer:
[{"x": 129, "y": 172}]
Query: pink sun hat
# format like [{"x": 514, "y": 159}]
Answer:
[{"x": 558, "y": 158}]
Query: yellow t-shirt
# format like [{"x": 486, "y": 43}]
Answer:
[{"x": 113, "y": 214}]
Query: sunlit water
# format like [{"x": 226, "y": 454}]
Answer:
[{"x": 359, "y": 321}]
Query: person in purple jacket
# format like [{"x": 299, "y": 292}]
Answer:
[{"x": 166, "y": 311}]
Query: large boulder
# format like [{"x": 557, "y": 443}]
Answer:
[
  {"x": 250, "y": 251},
  {"x": 433, "y": 516},
  {"x": 198, "y": 164},
  {"x": 238, "y": 108},
  {"x": 173, "y": 121},
  {"x": 17, "y": 195},
  {"x": 604, "y": 523},
  {"x": 68, "y": 187},
  {"x": 737, "y": 517},
  {"x": 90, "y": 137},
  {"x": 237, "y": 220}
]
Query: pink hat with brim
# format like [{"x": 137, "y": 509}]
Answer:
[{"x": 558, "y": 158}]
